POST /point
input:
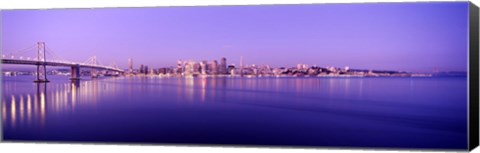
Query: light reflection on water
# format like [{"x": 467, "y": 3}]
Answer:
[
  {"x": 307, "y": 111},
  {"x": 13, "y": 111},
  {"x": 52, "y": 98}
]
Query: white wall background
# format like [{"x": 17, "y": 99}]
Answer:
[{"x": 87, "y": 148}]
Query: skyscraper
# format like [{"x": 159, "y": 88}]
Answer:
[
  {"x": 196, "y": 68},
  {"x": 223, "y": 66},
  {"x": 141, "y": 68},
  {"x": 189, "y": 68},
  {"x": 231, "y": 69},
  {"x": 179, "y": 67},
  {"x": 241, "y": 65},
  {"x": 203, "y": 67},
  {"x": 130, "y": 65},
  {"x": 144, "y": 68},
  {"x": 214, "y": 68}
]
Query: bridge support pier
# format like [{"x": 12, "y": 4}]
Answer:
[
  {"x": 41, "y": 74},
  {"x": 75, "y": 72}
]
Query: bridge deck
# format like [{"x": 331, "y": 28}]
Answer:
[{"x": 58, "y": 63}]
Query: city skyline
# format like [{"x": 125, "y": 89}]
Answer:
[
  {"x": 386, "y": 75},
  {"x": 377, "y": 36}
]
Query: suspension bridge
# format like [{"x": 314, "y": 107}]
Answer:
[{"x": 41, "y": 62}]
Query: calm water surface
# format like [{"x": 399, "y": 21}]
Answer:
[{"x": 353, "y": 112}]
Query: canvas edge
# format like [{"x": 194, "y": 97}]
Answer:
[
  {"x": 1, "y": 70},
  {"x": 473, "y": 107},
  {"x": 473, "y": 103}
]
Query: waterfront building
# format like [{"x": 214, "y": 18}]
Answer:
[
  {"x": 145, "y": 71},
  {"x": 196, "y": 68},
  {"x": 142, "y": 69},
  {"x": 130, "y": 65},
  {"x": 223, "y": 66},
  {"x": 162, "y": 70},
  {"x": 180, "y": 67},
  {"x": 277, "y": 71},
  {"x": 214, "y": 68},
  {"x": 231, "y": 69},
  {"x": 312, "y": 71},
  {"x": 152, "y": 71},
  {"x": 188, "y": 68},
  {"x": 302, "y": 67},
  {"x": 241, "y": 65},
  {"x": 203, "y": 67}
]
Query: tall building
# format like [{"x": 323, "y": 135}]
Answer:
[
  {"x": 203, "y": 67},
  {"x": 142, "y": 68},
  {"x": 189, "y": 68},
  {"x": 299, "y": 66},
  {"x": 152, "y": 72},
  {"x": 162, "y": 70},
  {"x": 241, "y": 65},
  {"x": 214, "y": 68},
  {"x": 145, "y": 69},
  {"x": 231, "y": 69},
  {"x": 222, "y": 69},
  {"x": 196, "y": 68},
  {"x": 179, "y": 67},
  {"x": 130, "y": 65}
]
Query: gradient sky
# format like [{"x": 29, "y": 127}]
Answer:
[{"x": 415, "y": 37}]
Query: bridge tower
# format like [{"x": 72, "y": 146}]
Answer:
[
  {"x": 41, "y": 63},
  {"x": 94, "y": 72}
]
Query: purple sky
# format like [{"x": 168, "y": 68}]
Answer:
[{"x": 416, "y": 37}]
